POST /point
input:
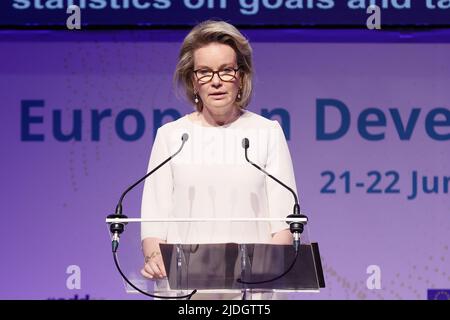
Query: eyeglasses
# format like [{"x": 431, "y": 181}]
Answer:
[{"x": 206, "y": 75}]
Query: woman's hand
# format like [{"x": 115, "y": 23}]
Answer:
[
  {"x": 153, "y": 263},
  {"x": 282, "y": 237}
]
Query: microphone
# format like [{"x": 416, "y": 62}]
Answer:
[
  {"x": 295, "y": 227},
  {"x": 117, "y": 228}
]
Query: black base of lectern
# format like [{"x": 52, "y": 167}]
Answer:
[{"x": 218, "y": 266}]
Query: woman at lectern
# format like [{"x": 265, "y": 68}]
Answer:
[{"x": 210, "y": 177}]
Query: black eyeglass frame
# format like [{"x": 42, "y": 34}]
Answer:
[{"x": 214, "y": 72}]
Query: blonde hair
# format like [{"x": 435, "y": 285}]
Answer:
[{"x": 203, "y": 34}]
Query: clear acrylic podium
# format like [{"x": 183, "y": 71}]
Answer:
[{"x": 210, "y": 255}]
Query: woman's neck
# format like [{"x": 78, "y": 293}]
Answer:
[{"x": 216, "y": 120}]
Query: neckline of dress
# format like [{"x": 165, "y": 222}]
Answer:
[{"x": 244, "y": 113}]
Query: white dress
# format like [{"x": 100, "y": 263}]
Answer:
[{"x": 210, "y": 178}]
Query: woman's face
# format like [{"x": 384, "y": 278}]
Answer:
[{"x": 218, "y": 96}]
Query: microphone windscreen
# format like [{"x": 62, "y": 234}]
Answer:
[
  {"x": 184, "y": 137},
  {"x": 245, "y": 143}
]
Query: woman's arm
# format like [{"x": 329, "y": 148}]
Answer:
[
  {"x": 280, "y": 200},
  {"x": 156, "y": 203}
]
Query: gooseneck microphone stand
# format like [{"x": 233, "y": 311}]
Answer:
[
  {"x": 117, "y": 228},
  {"x": 296, "y": 227}
]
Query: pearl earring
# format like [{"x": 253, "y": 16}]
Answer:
[{"x": 196, "y": 98}]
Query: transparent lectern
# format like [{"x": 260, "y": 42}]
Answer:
[{"x": 232, "y": 256}]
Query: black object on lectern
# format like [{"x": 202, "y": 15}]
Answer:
[{"x": 218, "y": 266}]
